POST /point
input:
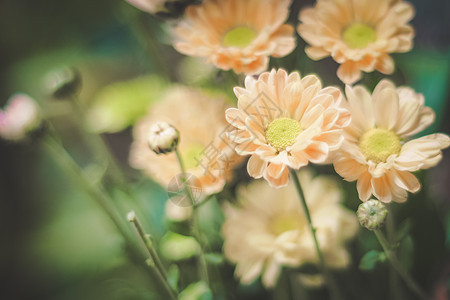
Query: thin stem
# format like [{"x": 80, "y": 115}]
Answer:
[
  {"x": 335, "y": 294},
  {"x": 76, "y": 174},
  {"x": 398, "y": 267},
  {"x": 393, "y": 276},
  {"x": 153, "y": 260},
  {"x": 194, "y": 221},
  {"x": 98, "y": 145}
]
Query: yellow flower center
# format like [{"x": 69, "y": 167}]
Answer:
[
  {"x": 378, "y": 144},
  {"x": 191, "y": 155},
  {"x": 282, "y": 132},
  {"x": 285, "y": 222},
  {"x": 359, "y": 35},
  {"x": 239, "y": 37}
]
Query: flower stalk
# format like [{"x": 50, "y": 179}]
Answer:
[
  {"x": 153, "y": 260},
  {"x": 194, "y": 221},
  {"x": 76, "y": 174},
  {"x": 66, "y": 162},
  {"x": 388, "y": 250},
  {"x": 334, "y": 290}
]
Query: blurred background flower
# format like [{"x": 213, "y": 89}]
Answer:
[
  {"x": 237, "y": 35},
  {"x": 267, "y": 229}
]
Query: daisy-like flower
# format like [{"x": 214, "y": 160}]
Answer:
[
  {"x": 376, "y": 151},
  {"x": 206, "y": 152},
  {"x": 358, "y": 34},
  {"x": 20, "y": 116},
  {"x": 268, "y": 230},
  {"x": 286, "y": 121},
  {"x": 236, "y": 34}
]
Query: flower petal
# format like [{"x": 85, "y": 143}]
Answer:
[{"x": 256, "y": 166}]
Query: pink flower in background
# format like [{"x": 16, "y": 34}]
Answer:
[
  {"x": 151, "y": 6},
  {"x": 20, "y": 115}
]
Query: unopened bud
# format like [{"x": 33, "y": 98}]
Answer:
[
  {"x": 372, "y": 214},
  {"x": 63, "y": 83},
  {"x": 163, "y": 138}
]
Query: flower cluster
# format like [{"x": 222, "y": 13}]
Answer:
[
  {"x": 191, "y": 139},
  {"x": 284, "y": 122}
]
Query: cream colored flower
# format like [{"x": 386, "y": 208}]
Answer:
[
  {"x": 205, "y": 150},
  {"x": 358, "y": 34},
  {"x": 377, "y": 151},
  {"x": 236, "y": 34},
  {"x": 20, "y": 116},
  {"x": 286, "y": 121},
  {"x": 268, "y": 230}
]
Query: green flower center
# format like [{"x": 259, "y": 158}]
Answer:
[
  {"x": 282, "y": 132},
  {"x": 378, "y": 144},
  {"x": 239, "y": 37},
  {"x": 191, "y": 155},
  {"x": 359, "y": 35},
  {"x": 285, "y": 222}
]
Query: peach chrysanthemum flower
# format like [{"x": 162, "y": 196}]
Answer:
[
  {"x": 207, "y": 153},
  {"x": 268, "y": 229},
  {"x": 376, "y": 151},
  {"x": 236, "y": 34},
  {"x": 286, "y": 121},
  {"x": 358, "y": 34}
]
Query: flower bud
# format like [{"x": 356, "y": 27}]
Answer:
[
  {"x": 372, "y": 214},
  {"x": 62, "y": 83},
  {"x": 163, "y": 138},
  {"x": 20, "y": 116}
]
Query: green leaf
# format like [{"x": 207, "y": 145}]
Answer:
[
  {"x": 177, "y": 247},
  {"x": 214, "y": 258},
  {"x": 173, "y": 275},
  {"x": 196, "y": 291},
  {"x": 370, "y": 260},
  {"x": 121, "y": 104}
]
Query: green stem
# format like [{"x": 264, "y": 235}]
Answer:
[
  {"x": 76, "y": 174},
  {"x": 393, "y": 276},
  {"x": 194, "y": 221},
  {"x": 398, "y": 267},
  {"x": 335, "y": 293},
  {"x": 153, "y": 260},
  {"x": 98, "y": 145}
]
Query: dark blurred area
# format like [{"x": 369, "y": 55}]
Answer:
[{"x": 57, "y": 244}]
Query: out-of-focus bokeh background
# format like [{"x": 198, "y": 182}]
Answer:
[{"x": 58, "y": 244}]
